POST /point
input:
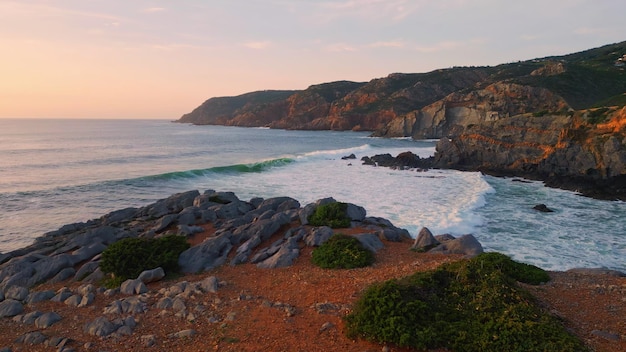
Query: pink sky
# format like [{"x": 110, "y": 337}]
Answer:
[{"x": 161, "y": 59}]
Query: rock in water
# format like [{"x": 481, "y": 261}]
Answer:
[{"x": 543, "y": 208}]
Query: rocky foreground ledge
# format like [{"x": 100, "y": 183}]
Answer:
[{"x": 223, "y": 230}]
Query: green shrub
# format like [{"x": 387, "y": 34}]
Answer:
[
  {"x": 127, "y": 258},
  {"x": 471, "y": 305},
  {"x": 331, "y": 214},
  {"x": 342, "y": 252}
]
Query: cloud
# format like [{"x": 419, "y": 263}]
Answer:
[
  {"x": 588, "y": 31},
  {"x": 394, "y": 10},
  {"x": 341, "y": 47},
  {"x": 258, "y": 45},
  {"x": 154, "y": 9},
  {"x": 438, "y": 47},
  {"x": 388, "y": 44}
]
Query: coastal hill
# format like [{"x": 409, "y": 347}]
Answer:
[
  {"x": 431, "y": 105},
  {"x": 559, "y": 119}
]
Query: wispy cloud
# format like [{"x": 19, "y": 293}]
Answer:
[
  {"x": 258, "y": 45},
  {"x": 394, "y": 10},
  {"x": 388, "y": 44},
  {"x": 341, "y": 47},
  {"x": 588, "y": 31},
  {"x": 438, "y": 47},
  {"x": 154, "y": 9}
]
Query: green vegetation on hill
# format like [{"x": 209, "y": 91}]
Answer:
[{"x": 471, "y": 305}]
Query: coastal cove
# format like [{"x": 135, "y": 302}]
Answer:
[{"x": 57, "y": 172}]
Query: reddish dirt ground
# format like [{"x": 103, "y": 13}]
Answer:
[{"x": 275, "y": 309}]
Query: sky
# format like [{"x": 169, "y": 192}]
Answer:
[{"x": 161, "y": 59}]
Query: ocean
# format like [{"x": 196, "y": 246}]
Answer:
[{"x": 55, "y": 172}]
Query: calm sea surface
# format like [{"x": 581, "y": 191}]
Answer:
[{"x": 55, "y": 172}]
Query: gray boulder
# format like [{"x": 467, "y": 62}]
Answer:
[
  {"x": 28, "y": 318},
  {"x": 318, "y": 236},
  {"x": 73, "y": 300},
  {"x": 46, "y": 320},
  {"x": 85, "y": 270},
  {"x": 425, "y": 240},
  {"x": 87, "y": 252},
  {"x": 186, "y": 230},
  {"x": 355, "y": 212},
  {"x": 206, "y": 256},
  {"x": 17, "y": 293},
  {"x": 100, "y": 326},
  {"x": 164, "y": 222},
  {"x": 285, "y": 256},
  {"x": 32, "y": 338},
  {"x": 133, "y": 287},
  {"x": 39, "y": 296},
  {"x": 370, "y": 241},
  {"x": 63, "y": 275},
  {"x": 48, "y": 267},
  {"x": 279, "y": 204},
  {"x": 209, "y": 284},
  {"x": 10, "y": 308},
  {"x": 467, "y": 245},
  {"x": 393, "y": 234},
  {"x": 148, "y": 276}
]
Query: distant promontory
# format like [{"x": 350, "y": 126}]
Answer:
[{"x": 559, "y": 119}]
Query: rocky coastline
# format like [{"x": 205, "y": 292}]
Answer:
[{"x": 59, "y": 273}]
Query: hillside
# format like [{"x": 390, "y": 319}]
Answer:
[{"x": 403, "y": 104}]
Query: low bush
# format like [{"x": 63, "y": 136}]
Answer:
[
  {"x": 331, "y": 214},
  {"x": 127, "y": 258},
  {"x": 471, "y": 305},
  {"x": 342, "y": 252}
]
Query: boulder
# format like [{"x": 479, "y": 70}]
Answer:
[
  {"x": 425, "y": 240},
  {"x": 466, "y": 244},
  {"x": 48, "y": 267},
  {"x": 46, "y": 320},
  {"x": 10, "y": 307},
  {"x": 209, "y": 284},
  {"x": 100, "y": 327},
  {"x": 207, "y": 255},
  {"x": 370, "y": 241},
  {"x": 32, "y": 338},
  {"x": 148, "y": 276},
  {"x": 355, "y": 212},
  {"x": 17, "y": 293},
  {"x": 85, "y": 270},
  {"x": 40, "y": 296},
  {"x": 63, "y": 275},
  {"x": 28, "y": 318},
  {"x": 318, "y": 235},
  {"x": 285, "y": 256},
  {"x": 133, "y": 287}
]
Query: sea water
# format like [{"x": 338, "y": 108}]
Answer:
[{"x": 55, "y": 172}]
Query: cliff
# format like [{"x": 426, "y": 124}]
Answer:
[
  {"x": 583, "y": 151},
  {"x": 433, "y": 104}
]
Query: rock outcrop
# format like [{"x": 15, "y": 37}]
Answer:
[
  {"x": 450, "y": 115},
  {"x": 585, "y": 152}
]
